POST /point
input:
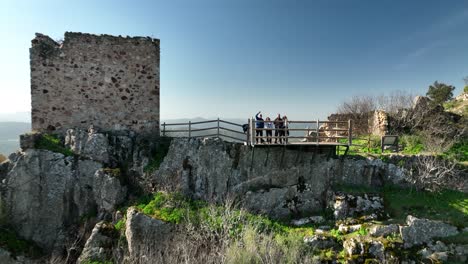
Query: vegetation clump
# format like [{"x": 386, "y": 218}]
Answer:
[{"x": 52, "y": 143}]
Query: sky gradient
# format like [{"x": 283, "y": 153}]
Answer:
[{"x": 233, "y": 58}]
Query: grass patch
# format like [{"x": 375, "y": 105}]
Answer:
[
  {"x": 238, "y": 236},
  {"x": 459, "y": 151},
  {"x": 158, "y": 155},
  {"x": 175, "y": 208},
  {"x": 449, "y": 206},
  {"x": 120, "y": 225},
  {"x": 412, "y": 144},
  {"x": 10, "y": 241},
  {"x": 52, "y": 143}
]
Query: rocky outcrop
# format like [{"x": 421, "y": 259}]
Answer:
[
  {"x": 425, "y": 116},
  {"x": 419, "y": 231},
  {"x": 51, "y": 191},
  {"x": 276, "y": 181}
]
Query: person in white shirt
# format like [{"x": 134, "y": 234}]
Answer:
[{"x": 269, "y": 126}]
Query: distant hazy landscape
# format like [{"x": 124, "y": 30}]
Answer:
[{"x": 9, "y": 135}]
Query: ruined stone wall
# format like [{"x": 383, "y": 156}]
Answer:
[{"x": 109, "y": 82}]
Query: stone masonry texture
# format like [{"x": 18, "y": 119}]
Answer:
[{"x": 111, "y": 83}]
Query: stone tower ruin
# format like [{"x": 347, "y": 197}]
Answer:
[{"x": 109, "y": 82}]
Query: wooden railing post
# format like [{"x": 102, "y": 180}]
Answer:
[
  {"x": 189, "y": 129},
  {"x": 317, "y": 131},
  {"x": 248, "y": 132},
  {"x": 164, "y": 129},
  {"x": 218, "y": 127},
  {"x": 252, "y": 132},
  {"x": 350, "y": 132}
]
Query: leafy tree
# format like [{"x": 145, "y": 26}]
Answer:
[{"x": 440, "y": 92}]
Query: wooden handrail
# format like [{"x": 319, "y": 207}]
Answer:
[{"x": 338, "y": 131}]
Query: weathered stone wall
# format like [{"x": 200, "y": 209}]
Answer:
[
  {"x": 109, "y": 82},
  {"x": 375, "y": 122}
]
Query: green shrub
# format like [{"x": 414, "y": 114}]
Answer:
[
  {"x": 120, "y": 225},
  {"x": 52, "y": 143},
  {"x": 465, "y": 90},
  {"x": 413, "y": 144},
  {"x": 459, "y": 151}
]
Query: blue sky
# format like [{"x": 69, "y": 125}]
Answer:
[{"x": 233, "y": 58}]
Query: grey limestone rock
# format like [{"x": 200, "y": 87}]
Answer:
[
  {"x": 320, "y": 242},
  {"x": 99, "y": 245},
  {"x": 420, "y": 231},
  {"x": 47, "y": 190},
  {"x": 146, "y": 237},
  {"x": 109, "y": 192},
  {"x": 383, "y": 230}
]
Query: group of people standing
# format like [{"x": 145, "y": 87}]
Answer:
[{"x": 280, "y": 125}]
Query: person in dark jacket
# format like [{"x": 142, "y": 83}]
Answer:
[
  {"x": 259, "y": 125},
  {"x": 278, "y": 128}
]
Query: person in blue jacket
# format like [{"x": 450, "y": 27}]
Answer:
[{"x": 259, "y": 125}]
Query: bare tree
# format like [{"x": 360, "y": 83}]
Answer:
[
  {"x": 395, "y": 101},
  {"x": 433, "y": 173},
  {"x": 357, "y": 105}
]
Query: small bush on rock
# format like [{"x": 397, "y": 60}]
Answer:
[{"x": 52, "y": 143}]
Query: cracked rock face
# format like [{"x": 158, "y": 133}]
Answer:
[
  {"x": 276, "y": 181},
  {"x": 44, "y": 193}
]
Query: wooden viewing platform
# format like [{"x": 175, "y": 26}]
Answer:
[{"x": 316, "y": 134}]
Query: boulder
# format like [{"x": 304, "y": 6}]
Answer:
[
  {"x": 348, "y": 205},
  {"x": 420, "y": 231},
  {"x": 320, "y": 241},
  {"x": 147, "y": 238},
  {"x": 362, "y": 247}
]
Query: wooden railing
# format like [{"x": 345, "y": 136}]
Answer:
[
  {"x": 319, "y": 133},
  {"x": 216, "y": 128},
  {"x": 315, "y": 133}
]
